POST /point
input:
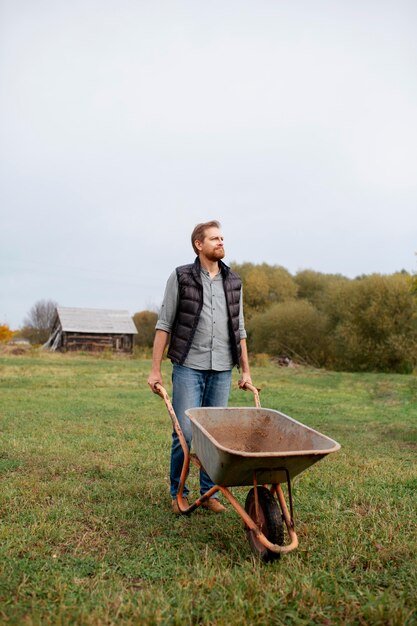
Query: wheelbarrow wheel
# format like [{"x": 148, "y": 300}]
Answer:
[{"x": 270, "y": 523}]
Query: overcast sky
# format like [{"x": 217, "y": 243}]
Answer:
[{"x": 123, "y": 123}]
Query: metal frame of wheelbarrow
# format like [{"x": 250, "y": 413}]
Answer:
[{"x": 251, "y": 524}]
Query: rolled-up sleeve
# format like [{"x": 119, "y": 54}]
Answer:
[
  {"x": 169, "y": 306},
  {"x": 242, "y": 331}
]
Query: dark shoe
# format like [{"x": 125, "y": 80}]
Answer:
[
  {"x": 214, "y": 505},
  {"x": 175, "y": 505}
]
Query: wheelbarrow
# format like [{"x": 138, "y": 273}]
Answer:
[{"x": 251, "y": 446}]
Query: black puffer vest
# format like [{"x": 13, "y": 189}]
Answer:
[{"x": 190, "y": 304}]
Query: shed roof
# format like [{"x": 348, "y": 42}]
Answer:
[{"x": 95, "y": 321}]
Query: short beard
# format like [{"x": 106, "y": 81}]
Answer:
[{"x": 216, "y": 255}]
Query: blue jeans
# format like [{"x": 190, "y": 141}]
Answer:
[{"x": 194, "y": 388}]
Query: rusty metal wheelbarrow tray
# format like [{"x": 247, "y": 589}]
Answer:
[{"x": 233, "y": 443}]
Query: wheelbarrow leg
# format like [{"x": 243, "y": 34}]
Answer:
[
  {"x": 288, "y": 516},
  {"x": 251, "y": 524}
]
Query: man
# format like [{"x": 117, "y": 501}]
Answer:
[{"x": 202, "y": 316}]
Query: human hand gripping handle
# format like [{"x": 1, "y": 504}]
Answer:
[
  {"x": 155, "y": 378},
  {"x": 246, "y": 385},
  {"x": 244, "y": 380}
]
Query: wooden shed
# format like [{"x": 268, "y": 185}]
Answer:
[{"x": 92, "y": 329}]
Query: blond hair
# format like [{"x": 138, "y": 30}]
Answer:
[{"x": 199, "y": 232}]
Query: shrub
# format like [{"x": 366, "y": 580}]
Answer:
[
  {"x": 145, "y": 324},
  {"x": 374, "y": 321},
  {"x": 294, "y": 328}
]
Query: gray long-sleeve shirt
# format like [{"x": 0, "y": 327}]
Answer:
[{"x": 210, "y": 349}]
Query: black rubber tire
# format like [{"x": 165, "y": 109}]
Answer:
[{"x": 270, "y": 523}]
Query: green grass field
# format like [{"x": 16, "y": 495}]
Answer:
[{"x": 87, "y": 535}]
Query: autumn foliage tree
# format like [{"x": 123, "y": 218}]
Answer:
[
  {"x": 5, "y": 333},
  {"x": 264, "y": 285},
  {"x": 314, "y": 286},
  {"x": 324, "y": 320},
  {"x": 374, "y": 324},
  {"x": 363, "y": 324}
]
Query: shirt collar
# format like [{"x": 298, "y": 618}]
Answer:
[{"x": 207, "y": 273}]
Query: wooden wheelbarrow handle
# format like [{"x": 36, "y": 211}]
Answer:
[{"x": 255, "y": 390}]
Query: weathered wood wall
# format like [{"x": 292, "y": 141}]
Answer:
[{"x": 96, "y": 342}]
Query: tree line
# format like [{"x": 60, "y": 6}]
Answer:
[
  {"x": 368, "y": 323},
  {"x": 325, "y": 320}
]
